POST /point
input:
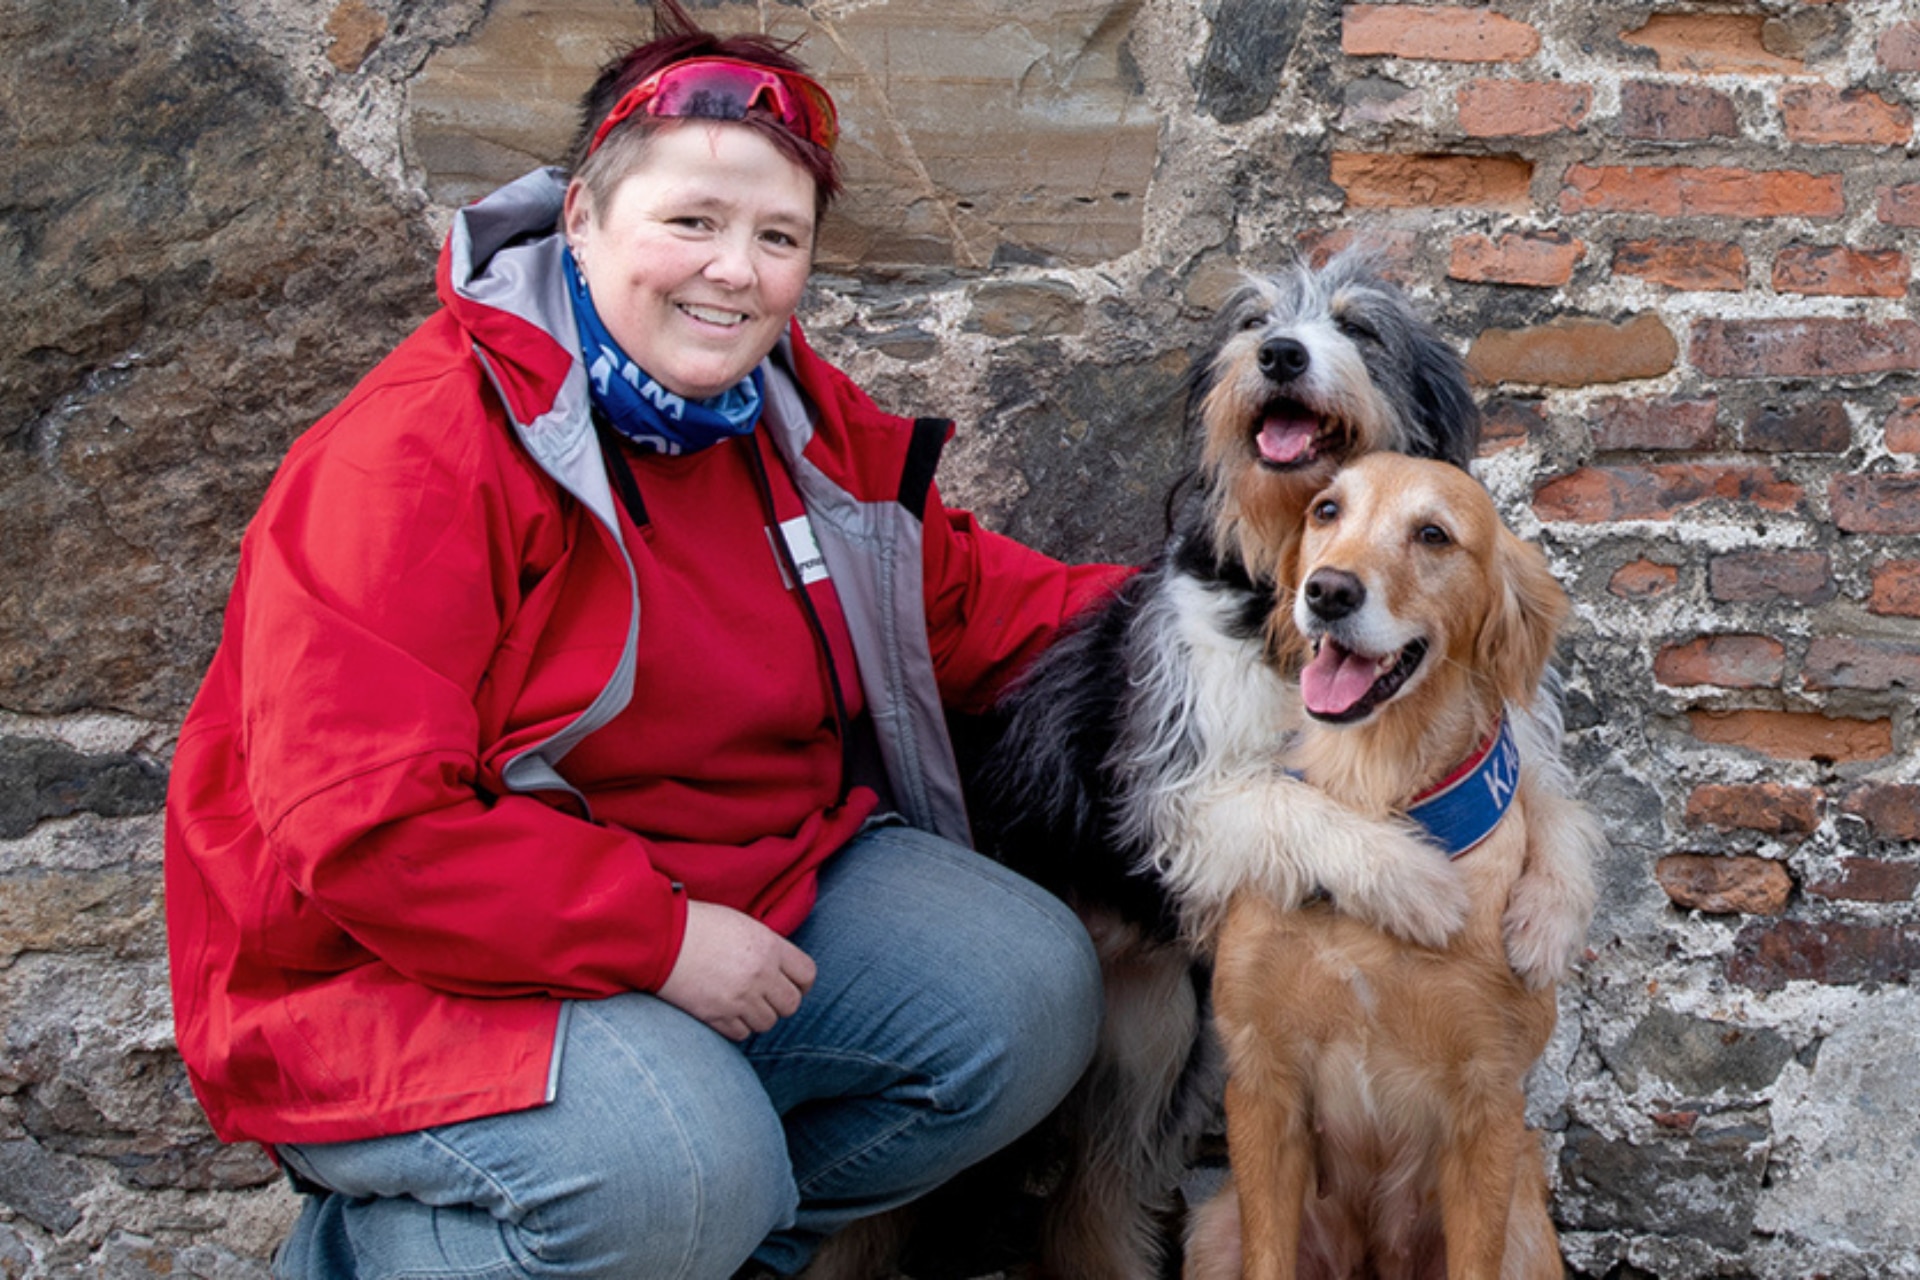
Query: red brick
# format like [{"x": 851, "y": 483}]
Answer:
[
  {"x": 1902, "y": 427},
  {"x": 1769, "y": 954},
  {"x": 1620, "y": 423},
  {"x": 1795, "y": 735},
  {"x": 1879, "y": 503},
  {"x": 1899, "y": 206},
  {"x": 1769, "y": 807},
  {"x": 1761, "y": 577},
  {"x": 1542, "y": 259},
  {"x": 1891, "y": 810},
  {"x": 1677, "y": 191},
  {"x": 1711, "y": 44},
  {"x": 1726, "y": 662},
  {"x": 1575, "y": 352},
  {"x": 1818, "y": 114},
  {"x": 1601, "y": 495},
  {"x": 1896, "y": 589},
  {"x": 1675, "y": 112},
  {"x": 1842, "y": 662},
  {"x": 1899, "y": 47},
  {"x": 1821, "y": 427},
  {"x": 1868, "y": 880},
  {"x": 1804, "y": 347},
  {"x": 1684, "y": 264},
  {"x": 1837, "y": 271},
  {"x": 1643, "y": 580},
  {"x": 1380, "y": 180},
  {"x": 1505, "y": 421},
  {"x": 1724, "y": 886},
  {"x": 1521, "y": 108},
  {"x": 1434, "y": 32}
]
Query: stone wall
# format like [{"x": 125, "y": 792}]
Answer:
[{"x": 1675, "y": 240}]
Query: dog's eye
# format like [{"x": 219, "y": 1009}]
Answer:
[
  {"x": 1326, "y": 511},
  {"x": 1359, "y": 330},
  {"x": 1433, "y": 535},
  {"x": 1255, "y": 321}
]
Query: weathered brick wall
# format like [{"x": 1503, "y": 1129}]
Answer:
[{"x": 1675, "y": 241}]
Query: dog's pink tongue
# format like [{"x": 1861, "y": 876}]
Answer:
[
  {"x": 1287, "y": 437},
  {"x": 1336, "y": 679}
]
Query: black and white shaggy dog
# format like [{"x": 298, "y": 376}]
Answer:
[{"x": 1138, "y": 776}]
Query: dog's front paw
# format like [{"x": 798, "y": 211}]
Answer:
[
  {"x": 1421, "y": 897},
  {"x": 1545, "y": 926}
]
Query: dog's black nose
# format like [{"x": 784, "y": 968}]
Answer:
[
  {"x": 1334, "y": 593},
  {"x": 1283, "y": 359}
]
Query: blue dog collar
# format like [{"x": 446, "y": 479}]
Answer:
[{"x": 1464, "y": 808}]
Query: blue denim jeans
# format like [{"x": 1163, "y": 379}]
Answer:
[{"x": 955, "y": 1005}]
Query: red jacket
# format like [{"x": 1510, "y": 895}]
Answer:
[{"x": 472, "y": 738}]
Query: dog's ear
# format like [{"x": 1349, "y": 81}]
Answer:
[
  {"x": 1518, "y": 634},
  {"x": 1449, "y": 418}
]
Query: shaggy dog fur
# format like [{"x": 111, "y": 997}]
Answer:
[
  {"x": 1375, "y": 1099},
  {"x": 1138, "y": 773}
]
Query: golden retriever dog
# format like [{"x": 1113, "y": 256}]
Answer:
[{"x": 1375, "y": 1097}]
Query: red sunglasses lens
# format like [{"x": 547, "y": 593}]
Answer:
[{"x": 717, "y": 90}]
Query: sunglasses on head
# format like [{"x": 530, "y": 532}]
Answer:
[{"x": 726, "y": 89}]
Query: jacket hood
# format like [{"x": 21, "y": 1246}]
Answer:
[{"x": 500, "y": 277}]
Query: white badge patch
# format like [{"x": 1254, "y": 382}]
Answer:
[{"x": 805, "y": 551}]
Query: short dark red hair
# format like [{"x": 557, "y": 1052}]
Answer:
[{"x": 676, "y": 38}]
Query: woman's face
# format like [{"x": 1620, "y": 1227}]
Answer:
[{"x": 701, "y": 255}]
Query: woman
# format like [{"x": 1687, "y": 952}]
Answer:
[{"x": 565, "y": 866}]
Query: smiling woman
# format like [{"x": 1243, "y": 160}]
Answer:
[{"x": 565, "y": 855}]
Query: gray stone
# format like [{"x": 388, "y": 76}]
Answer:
[
  {"x": 1704, "y": 1185},
  {"x": 1246, "y": 56},
  {"x": 40, "y": 1186},
  {"x": 1682, "y": 1057},
  {"x": 50, "y": 780}
]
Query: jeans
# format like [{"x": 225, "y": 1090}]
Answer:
[{"x": 955, "y": 1006}]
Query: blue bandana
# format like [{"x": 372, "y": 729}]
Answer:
[{"x": 642, "y": 410}]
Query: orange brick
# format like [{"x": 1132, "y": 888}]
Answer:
[
  {"x": 1711, "y": 44},
  {"x": 1704, "y": 265},
  {"x": 1521, "y": 108},
  {"x": 1675, "y": 191},
  {"x": 1643, "y": 580},
  {"x": 1391, "y": 181},
  {"x": 1726, "y": 662},
  {"x": 1435, "y": 32},
  {"x": 1576, "y": 352},
  {"x": 1896, "y": 589},
  {"x": 1543, "y": 259},
  {"x": 1818, "y": 115},
  {"x": 1837, "y": 271},
  {"x": 1724, "y": 886},
  {"x": 1795, "y": 735},
  {"x": 1602, "y": 495},
  {"x": 1771, "y": 807}
]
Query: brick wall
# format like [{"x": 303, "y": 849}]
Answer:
[{"x": 1679, "y": 246}]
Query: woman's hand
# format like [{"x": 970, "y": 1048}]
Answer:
[{"x": 735, "y": 974}]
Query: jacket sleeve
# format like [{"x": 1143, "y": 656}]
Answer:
[
  {"x": 387, "y": 563},
  {"x": 993, "y": 604}
]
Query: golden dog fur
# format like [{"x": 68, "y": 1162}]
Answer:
[{"x": 1375, "y": 1102}]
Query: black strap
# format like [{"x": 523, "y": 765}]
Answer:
[
  {"x": 619, "y": 471},
  {"x": 923, "y": 455}
]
